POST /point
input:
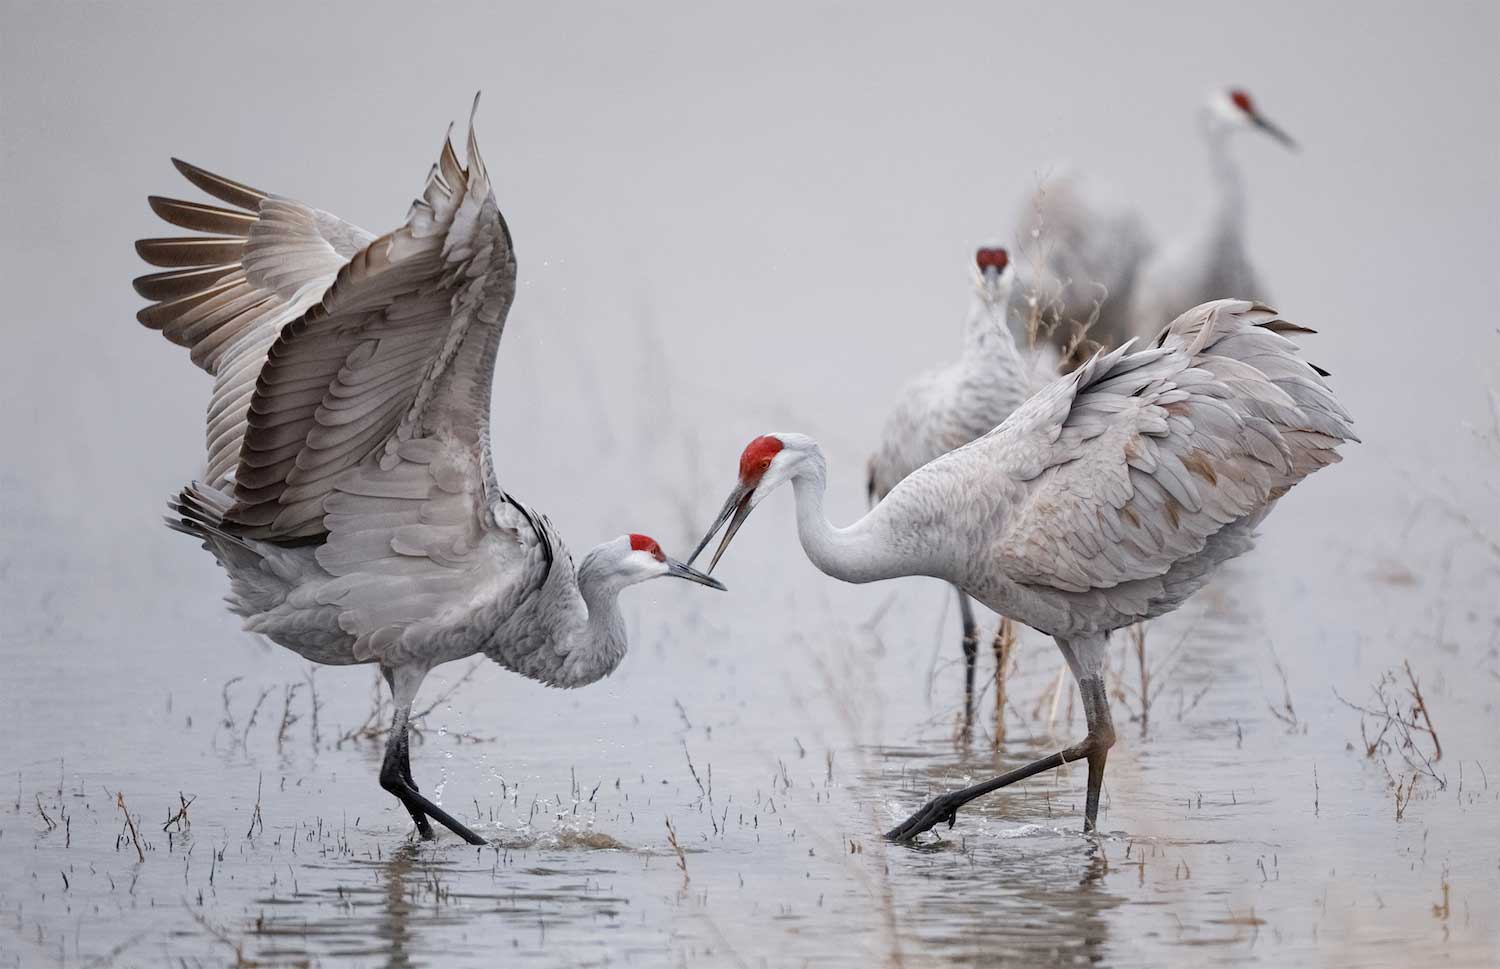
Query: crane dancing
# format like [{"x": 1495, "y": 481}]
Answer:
[
  {"x": 1108, "y": 497},
  {"x": 944, "y": 408},
  {"x": 350, "y": 489}
]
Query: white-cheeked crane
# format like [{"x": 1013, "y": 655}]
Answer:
[
  {"x": 350, "y": 491},
  {"x": 1107, "y": 498},
  {"x": 950, "y": 406}
]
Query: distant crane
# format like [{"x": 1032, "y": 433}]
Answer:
[
  {"x": 948, "y": 407},
  {"x": 350, "y": 491},
  {"x": 1212, "y": 259},
  {"x": 1084, "y": 258},
  {"x": 1078, "y": 256},
  {"x": 1107, "y": 498}
]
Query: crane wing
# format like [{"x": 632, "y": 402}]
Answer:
[
  {"x": 1127, "y": 466},
  {"x": 369, "y": 426},
  {"x": 400, "y": 347},
  {"x": 226, "y": 294}
]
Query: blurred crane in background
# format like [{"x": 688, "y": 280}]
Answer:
[
  {"x": 1090, "y": 272},
  {"x": 948, "y": 407}
]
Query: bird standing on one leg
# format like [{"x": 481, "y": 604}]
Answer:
[
  {"x": 948, "y": 407},
  {"x": 1107, "y": 498},
  {"x": 350, "y": 491}
]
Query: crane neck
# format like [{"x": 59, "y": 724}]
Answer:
[
  {"x": 1228, "y": 180},
  {"x": 987, "y": 333},
  {"x": 860, "y": 552},
  {"x": 567, "y": 633},
  {"x": 597, "y": 646}
]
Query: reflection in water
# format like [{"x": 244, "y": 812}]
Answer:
[
  {"x": 422, "y": 901},
  {"x": 1033, "y": 891},
  {"x": 395, "y": 917}
]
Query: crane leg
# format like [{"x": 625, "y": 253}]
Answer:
[
  {"x": 395, "y": 769},
  {"x": 1093, "y": 748},
  {"x": 971, "y": 656}
]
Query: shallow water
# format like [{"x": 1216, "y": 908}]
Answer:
[{"x": 778, "y": 739}]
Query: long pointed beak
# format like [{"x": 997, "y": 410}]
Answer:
[
  {"x": 678, "y": 570},
  {"x": 735, "y": 511},
  {"x": 1273, "y": 131}
]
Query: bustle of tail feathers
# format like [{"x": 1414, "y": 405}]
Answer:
[{"x": 198, "y": 510}]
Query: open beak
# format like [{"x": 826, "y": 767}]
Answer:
[
  {"x": 1273, "y": 131},
  {"x": 735, "y": 511},
  {"x": 677, "y": 570}
]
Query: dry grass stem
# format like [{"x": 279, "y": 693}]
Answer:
[
  {"x": 135, "y": 837},
  {"x": 681, "y": 855},
  {"x": 1004, "y": 646}
]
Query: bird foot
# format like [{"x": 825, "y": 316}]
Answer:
[{"x": 934, "y": 812}]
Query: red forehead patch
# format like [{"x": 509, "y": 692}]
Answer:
[
  {"x": 1242, "y": 101},
  {"x": 645, "y": 543},
  {"x": 996, "y": 259},
  {"x": 757, "y": 458}
]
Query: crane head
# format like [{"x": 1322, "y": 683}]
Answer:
[
  {"x": 1234, "y": 108},
  {"x": 992, "y": 273},
  {"x": 767, "y": 463},
  {"x": 636, "y": 558}
]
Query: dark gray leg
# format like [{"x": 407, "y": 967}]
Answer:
[
  {"x": 394, "y": 776},
  {"x": 403, "y": 759},
  {"x": 1101, "y": 738},
  {"x": 1094, "y": 747},
  {"x": 971, "y": 656},
  {"x": 395, "y": 769}
]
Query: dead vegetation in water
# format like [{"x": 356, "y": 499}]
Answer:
[
  {"x": 1046, "y": 307},
  {"x": 1398, "y": 722},
  {"x": 377, "y": 723}
]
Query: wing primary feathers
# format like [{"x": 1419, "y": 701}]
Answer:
[
  {"x": 177, "y": 253},
  {"x": 200, "y": 217},
  {"x": 221, "y": 188}
]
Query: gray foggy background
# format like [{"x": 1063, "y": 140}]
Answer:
[
  {"x": 763, "y": 214},
  {"x": 732, "y": 219}
]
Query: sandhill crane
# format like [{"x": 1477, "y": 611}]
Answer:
[
  {"x": 1078, "y": 255},
  {"x": 1210, "y": 260},
  {"x": 944, "y": 408},
  {"x": 350, "y": 490},
  {"x": 1081, "y": 253},
  {"x": 1108, "y": 497}
]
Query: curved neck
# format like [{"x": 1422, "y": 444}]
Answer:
[
  {"x": 595, "y": 648},
  {"x": 861, "y": 552},
  {"x": 569, "y": 632}
]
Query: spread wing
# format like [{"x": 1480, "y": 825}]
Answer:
[
  {"x": 1126, "y": 467},
  {"x": 401, "y": 346},
  {"x": 226, "y": 294},
  {"x": 369, "y": 425}
]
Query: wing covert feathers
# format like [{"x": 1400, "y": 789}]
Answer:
[
  {"x": 1132, "y": 462},
  {"x": 401, "y": 343}
]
